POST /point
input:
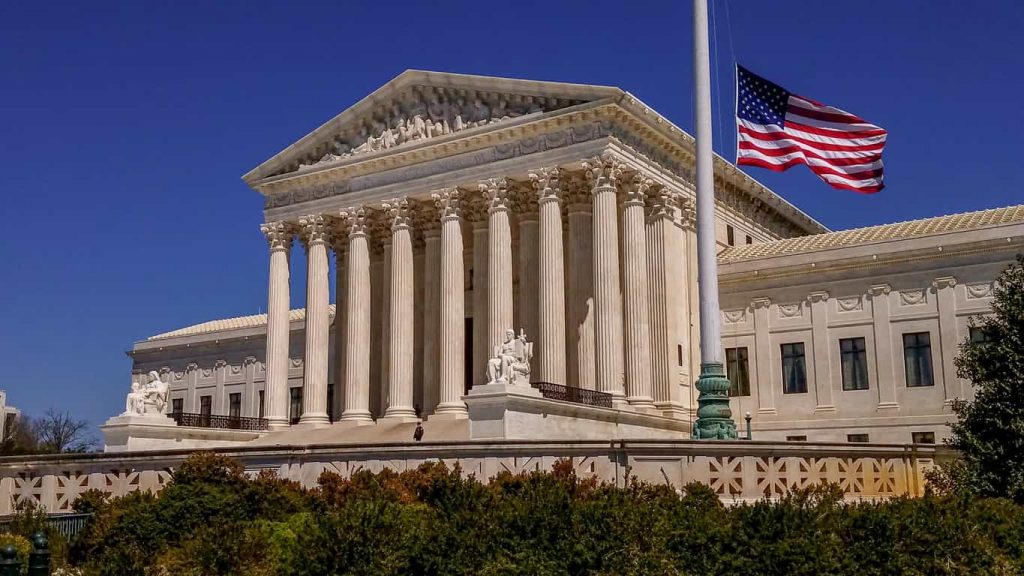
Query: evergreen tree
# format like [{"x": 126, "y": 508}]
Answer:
[{"x": 989, "y": 432}]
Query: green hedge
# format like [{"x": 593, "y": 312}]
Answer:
[{"x": 211, "y": 519}]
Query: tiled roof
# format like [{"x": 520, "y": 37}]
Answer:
[
  {"x": 236, "y": 323},
  {"x": 899, "y": 230}
]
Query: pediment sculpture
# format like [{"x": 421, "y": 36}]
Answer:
[
  {"x": 425, "y": 113},
  {"x": 510, "y": 364},
  {"x": 149, "y": 399}
]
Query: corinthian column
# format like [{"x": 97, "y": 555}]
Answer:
[
  {"x": 279, "y": 237},
  {"x": 400, "y": 353},
  {"x": 580, "y": 303},
  {"x": 499, "y": 262},
  {"x": 636, "y": 294},
  {"x": 431, "y": 311},
  {"x": 314, "y": 397},
  {"x": 601, "y": 175},
  {"x": 663, "y": 256},
  {"x": 453, "y": 308},
  {"x": 550, "y": 352},
  {"x": 357, "y": 321}
]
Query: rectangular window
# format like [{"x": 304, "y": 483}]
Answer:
[
  {"x": 235, "y": 405},
  {"x": 917, "y": 359},
  {"x": 679, "y": 353},
  {"x": 750, "y": 240},
  {"x": 854, "y": 356},
  {"x": 923, "y": 437},
  {"x": 730, "y": 235},
  {"x": 978, "y": 335},
  {"x": 295, "y": 406},
  {"x": 796, "y": 438},
  {"x": 794, "y": 369},
  {"x": 177, "y": 405},
  {"x": 738, "y": 370},
  {"x": 260, "y": 412},
  {"x": 856, "y": 437},
  {"x": 205, "y": 409}
]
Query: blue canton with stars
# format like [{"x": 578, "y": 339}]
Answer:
[{"x": 760, "y": 101}]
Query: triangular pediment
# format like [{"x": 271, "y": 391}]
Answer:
[{"x": 419, "y": 105}]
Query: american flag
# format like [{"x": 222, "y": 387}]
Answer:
[{"x": 778, "y": 129}]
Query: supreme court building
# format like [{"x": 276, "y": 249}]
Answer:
[{"x": 454, "y": 208}]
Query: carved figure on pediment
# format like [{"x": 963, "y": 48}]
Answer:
[
  {"x": 510, "y": 364},
  {"x": 481, "y": 114}
]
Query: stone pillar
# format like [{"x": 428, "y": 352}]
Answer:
[
  {"x": 357, "y": 316},
  {"x": 636, "y": 294},
  {"x": 602, "y": 174},
  {"x": 340, "y": 306},
  {"x": 763, "y": 356},
  {"x": 279, "y": 238},
  {"x": 884, "y": 366},
  {"x": 526, "y": 303},
  {"x": 383, "y": 236},
  {"x": 550, "y": 351},
  {"x": 663, "y": 290},
  {"x": 580, "y": 333},
  {"x": 401, "y": 344},
  {"x": 821, "y": 349},
  {"x": 453, "y": 308},
  {"x": 499, "y": 263},
  {"x": 431, "y": 312},
  {"x": 314, "y": 393},
  {"x": 476, "y": 214},
  {"x": 949, "y": 342}
]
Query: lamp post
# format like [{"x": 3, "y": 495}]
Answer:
[
  {"x": 714, "y": 417},
  {"x": 749, "y": 434}
]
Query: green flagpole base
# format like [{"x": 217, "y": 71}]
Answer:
[{"x": 714, "y": 417}]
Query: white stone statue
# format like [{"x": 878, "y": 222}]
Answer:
[
  {"x": 147, "y": 400},
  {"x": 510, "y": 364}
]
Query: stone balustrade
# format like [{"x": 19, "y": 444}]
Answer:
[{"x": 736, "y": 471}]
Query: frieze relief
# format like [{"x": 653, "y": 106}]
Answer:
[
  {"x": 913, "y": 297},
  {"x": 423, "y": 113},
  {"x": 737, "y": 316},
  {"x": 850, "y": 304},
  {"x": 979, "y": 290},
  {"x": 794, "y": 310}
]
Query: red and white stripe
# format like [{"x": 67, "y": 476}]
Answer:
[{"x": 840, "y": 148}]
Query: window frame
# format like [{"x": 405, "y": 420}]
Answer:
[
  {"x": 741, "y": 360},
  {"x": 857, "y": 357},
  {"x": 787, "y": 370},
  {"x": 234, "y": 405},
  {"x": 917, "y": 360},
  {"x": 294, "y": 404}
]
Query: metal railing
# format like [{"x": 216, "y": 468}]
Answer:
[
  {"x": 217, "y": 421},
  {"x": 570, "y": 394},
  {"x": 68, "y": 524}
]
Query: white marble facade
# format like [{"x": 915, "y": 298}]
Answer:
[{"x": 454, "y": 208}]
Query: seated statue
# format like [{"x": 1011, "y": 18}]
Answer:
[
  {"x": 510, "y": 364},
  {"x": 147, "y": 399},
  {"x": 133, "y": 403}
]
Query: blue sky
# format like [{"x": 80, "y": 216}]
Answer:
[{"x": 126, "y": 127}]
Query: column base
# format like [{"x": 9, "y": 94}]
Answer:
[
  {"x": 274, "y": 425},
  {"x": 449, "y": 412},
  {"x": 828, "y": 408},
  {"x": 346, "y": 424},
  {"x": 767, "y": 411},
  {"x": 399, "y": 416},
  {"x": 888, "y": 406},
  {"x": 673, "y": 410},
  {"x": 321, "y": 420},
  {"x": 362, "y": 416}
]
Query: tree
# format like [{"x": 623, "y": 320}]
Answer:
[
  {"x": 58, "y": 432},
  {"x": 989, "y": 432}
]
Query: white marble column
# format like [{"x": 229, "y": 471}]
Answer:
[
  {"x": 383, "y": 235},
  {"x": 821, "y": 350},
  {"x": 550, "y": 350},
  {"x": 601, "y": 175},
  {"x": 580, "y": 304},
  {"x": 663, "y": 288},
  {"x": 340, "y": 306},
  {"x": 636, "y": 294},
  {"x": 884, "y": 365},
  {"x": 279, "y": 238},
  {"x": 474, "y": 210},
  {"x": 314, "y": 394},
  {"x": 357, "y": 316},
  {"x": 431, "y": 314},
  {"x": 400, "y": 349},
  {"x": 499, "y": 262},
  {"x": 453, "y": 308},
  {"x": 527, "y": 251}
]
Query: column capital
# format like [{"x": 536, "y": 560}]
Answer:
[
  {"x": 757, "y": 303},
  {"x": 357, "y": 220},
  {"x": 661, "y": 203},
  {"x": 879, "y": 290},
  {"x": 687, "y": 212},
  {"x": 524, "y": 200},
  {"x": 279, "y": 234},
  {"x": 315, "y": 229},
  {"x": 546, "y": 184},
  {"x": 448, "y": 202},
  {"x": 495, "y": 191},
  {"x": 400, "y": 212},
  {"x": 603, "y": 171},
  {"x": 944, "y": 282},
  {"x": 818, "y": 296},
  {"x": 576, "y": 194},
  {"x": 636, "y": 188},
  {"x": 475, "y": 209}
]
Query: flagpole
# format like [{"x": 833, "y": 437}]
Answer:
[{"x": 714, "y": 417}]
